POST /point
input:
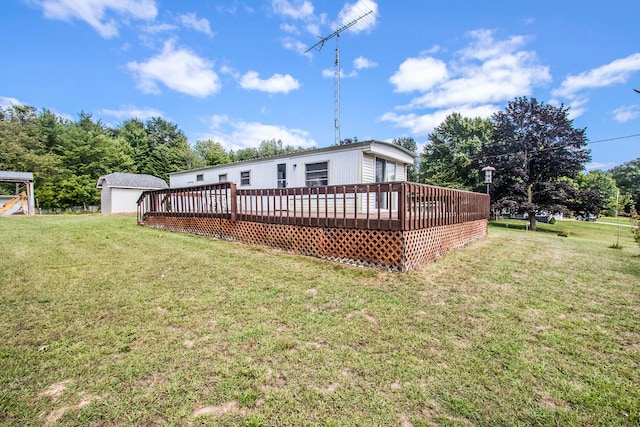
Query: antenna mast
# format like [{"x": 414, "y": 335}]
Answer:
[{"x": 336, "y": 73}]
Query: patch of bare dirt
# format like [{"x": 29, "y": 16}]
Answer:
[
  {"x": 54, "y": 391},
  {"x": 369, "y": 318},
  {"x": 405, "y": 421},
  {"x": 56, "y": 414},
  {"x": 229, "y": 407},
  {"x": 276, "y": 381},
  {"x": 328, "y": 389}
]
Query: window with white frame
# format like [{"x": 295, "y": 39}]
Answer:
[
  {"x": 200, "y": 177},
  {"x": 245, "y": 178},
  {"x": 316, "y": 174},
  {"x": 385, "y": 170},
  {"x": 222, "y": 177}
]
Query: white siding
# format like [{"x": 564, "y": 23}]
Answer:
[
  {"x": 352, "y": 164},
  {"x": 368, "y": 168},
  {"x": 343, "y": 169},
  {"x": 105, "y": 199},
  {"x": 124, "y": 200},
  {"x": 390, "y": 152}
]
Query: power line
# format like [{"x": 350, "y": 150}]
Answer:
[{"x": 614, "y": 139}]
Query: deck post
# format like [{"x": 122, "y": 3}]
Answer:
[
  {"x": 234, "y": 202},
  {"x": 401, "y": 205}
]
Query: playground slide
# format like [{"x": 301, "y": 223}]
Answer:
[{"x": 11, "y": 207}]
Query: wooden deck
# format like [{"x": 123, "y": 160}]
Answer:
[
  {"x": 393, "y": 225},
  {"x": 400, "y": 206}
]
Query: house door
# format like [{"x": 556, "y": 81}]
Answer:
[
  {"x": 385, "y": 171},
  {"x": 282, "y": 175},
  {"x": 381, "y": 175}
]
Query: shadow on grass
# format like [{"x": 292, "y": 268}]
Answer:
[{"x": 540, "y": 227}]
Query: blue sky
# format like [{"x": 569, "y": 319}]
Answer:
[{"x": 237, "y": 72}]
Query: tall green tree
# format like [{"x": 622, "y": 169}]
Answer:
[
  {"x": 604, "y": 185},
  {"x": 134, "y": 132},
  {"x": 87, "y": 150},
  {"x": 158, "y": 147},
  {"x": 533, "y": 147},
  {"x": 24, "y": 145},
  {"x": 451, "y": 157},
  {"x": 267, "y": 148},
  {"x": 213, "y": 153},
  {"x": 627, "y": 177},
  {"x": 410, "y": 144}
]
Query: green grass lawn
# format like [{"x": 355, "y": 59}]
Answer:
[{"x": 107, "y": 323}]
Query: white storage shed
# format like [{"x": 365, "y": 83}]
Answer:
[{"x": 119, "y": 192}]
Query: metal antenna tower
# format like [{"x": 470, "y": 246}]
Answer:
[{"x": 336, "y": 73}]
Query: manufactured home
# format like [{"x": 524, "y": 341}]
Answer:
[
  {"x": 349, "y": 203},
  {"x": 355, "y": 163}
]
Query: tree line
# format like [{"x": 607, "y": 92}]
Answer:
[
  {"x": 67, "y": 157},
  {"x": 538, "y": 155}
]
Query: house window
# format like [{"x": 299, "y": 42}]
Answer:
[
  {"x": 222, "y": 177},
  {"x": 245, "y": 178},
  {"x": 200, "y": 177},
  {"x": 317, "y": 174},
  {"x": 282, "y": 175},
  {"x": 385, "y": 170}
]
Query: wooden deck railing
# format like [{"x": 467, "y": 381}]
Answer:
[{"x": 380, "y": 206}]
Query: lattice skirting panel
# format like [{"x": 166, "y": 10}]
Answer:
[
  {"x": 392, "y": 250},
  {"x": 429, "y": 243}
]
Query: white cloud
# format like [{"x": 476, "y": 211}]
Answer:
[
  {"x": 353, "y": 11},
  {"x": 617, "y": 71},
  {"x": 230, "y": 71},
  {"x": 422, "y": 124},
  {"x": 296, "y": 46},
  {"x": 131, "y": 112},
  {"x": 361, "y": 63},
  {"x": 8, "y": 102},
  {"x": 295, "y": 10},
  {"x": 484, "y": 47},
  {"x": 277, "y": 83},
  {"x": 99, "y": 13},
  {"x": 178, "y": 69},
  {"x": 289, "y": 28},
  {"x": 159, "y": 28},
  {"x": 235, "y": 134},
  {"x": 478, "y": 77},
  {"x": 626, "y": 113},
  {"x": 602, "y": 166},
  {"x": 330, "y": 72},
  {"x": 419, "y": 74},
  {"x": 190, "y": 20}
]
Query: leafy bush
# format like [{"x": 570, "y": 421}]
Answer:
[{"x": 636, "y": 230}]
